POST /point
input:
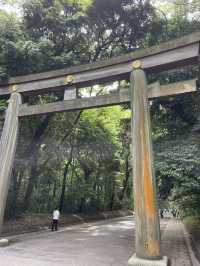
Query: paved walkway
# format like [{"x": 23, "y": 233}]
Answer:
[
  {"x": 176, "y": 245},
  {"x": 105, "y": 243}
]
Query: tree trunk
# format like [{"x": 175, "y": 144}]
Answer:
[
  {"x": 14, "y": 205},
  {"x": 64, "y": 181},
  {"x": 33, "y": 149},
  {"x": 82, "y": 205},
  {"x": 29, "y": 191},
  {"x": 125, "y": 182},
  {"x": 54, "y": 188}
]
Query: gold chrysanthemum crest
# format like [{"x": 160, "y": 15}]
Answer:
[
  {"x": 69, "y": 79},
  {"x": 137, "y": 64}
]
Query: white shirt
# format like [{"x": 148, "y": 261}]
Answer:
[{"x": 56, "y": 215}]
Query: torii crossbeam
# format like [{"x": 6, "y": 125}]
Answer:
[{"x": 134, "y": 66}]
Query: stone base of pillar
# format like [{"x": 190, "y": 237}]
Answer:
[
  {"x": 135, "y": 261},
  {"x": 4, "y": 242}
]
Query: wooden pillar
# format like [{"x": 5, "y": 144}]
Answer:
[
  {"x": 8, "y": 145},
  {"x": 145, "y": 203}
]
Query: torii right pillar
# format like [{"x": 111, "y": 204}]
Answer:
[{"x": 148, "y": 244}]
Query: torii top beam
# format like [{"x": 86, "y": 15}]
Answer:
[{"x": 169, "y": 55}]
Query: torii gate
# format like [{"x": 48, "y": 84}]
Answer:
[{"x": 136, "y": 65}]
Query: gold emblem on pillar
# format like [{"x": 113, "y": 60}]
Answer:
[
  {"x": 69, "y": 79},
  {"x": 137, "y": 64},
  {"x": 14, "y": 88}
]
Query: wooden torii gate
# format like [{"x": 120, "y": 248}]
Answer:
[{"x": 134, "y": 66}]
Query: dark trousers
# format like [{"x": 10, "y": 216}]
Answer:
[{"x": 54, "y": 225}]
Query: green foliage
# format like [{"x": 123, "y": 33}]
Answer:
[
  {"x": 177, "y": 153},
  {"x": 84, "y": 4},
  {"x": 193, "y": 226},
  {"x": 2, "y": 105}
]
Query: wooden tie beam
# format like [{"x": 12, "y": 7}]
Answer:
[{"x": 120, "y": 97}]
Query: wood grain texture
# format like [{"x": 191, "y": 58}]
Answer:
[
  {"x": 8, "y": 145},
  {"x": 169, "y": 55},
  {"x": 77, "y": 104},
  {"x": 120, "y": 97},
  {"x": 145, "y": 202},
  {"x": 156, "y": 90},
  {"x": 70, "y": 93}
]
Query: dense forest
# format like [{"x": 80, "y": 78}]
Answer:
[{"x": 80, "y": 161}]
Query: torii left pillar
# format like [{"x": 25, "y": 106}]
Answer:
[
  {"x": 147, "y": 242},
  {"x": 8, "y": 144}
]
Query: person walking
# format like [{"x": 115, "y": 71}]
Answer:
[
  {"x": 161, "y": 213},
  {"x": 56, "y": 217}
]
